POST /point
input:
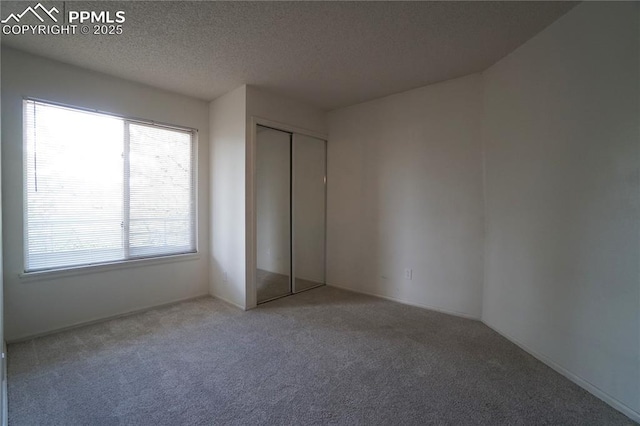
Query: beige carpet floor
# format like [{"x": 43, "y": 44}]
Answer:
[{"x": 324, "y": 356}]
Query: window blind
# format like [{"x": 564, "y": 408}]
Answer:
[{"x": 101, "y": 189}]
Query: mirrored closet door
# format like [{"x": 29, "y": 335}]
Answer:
[
  {"x": 290, "y": 213},
  {"x": 309, "y": 201},
  {"x": 273, "y": 213}
]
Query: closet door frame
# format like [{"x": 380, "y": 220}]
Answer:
[{"x": 251, "y": 200}]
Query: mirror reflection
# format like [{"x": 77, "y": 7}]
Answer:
[
  {"x": 309, "y": 170},
  {"x": 273, "y": 210},
  {"x": 290, "y": 211}
]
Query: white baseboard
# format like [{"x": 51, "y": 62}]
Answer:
[
  {"x": 589, "y": 387},
  {"x": 228, "y": 302},
  {"x": 99, "y": 320},
  {"x": 404, "y": 302}
]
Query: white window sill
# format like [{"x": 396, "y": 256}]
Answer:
[{"x": 104, "y": 267}]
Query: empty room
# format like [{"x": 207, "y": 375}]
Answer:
[{"x": 297, "y": 213}]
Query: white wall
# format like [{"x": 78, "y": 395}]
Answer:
[
  {"x": 4, "y": 410},
  {"x": 265, "y": 104},
  {"x": 562, "y": 198},
  {"x": 40, "y": 305},
  {"x": 227, "y": 165},
  {"x": 405, "y": 191}
]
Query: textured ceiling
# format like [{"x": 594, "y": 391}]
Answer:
[{"x": 328, "y": 54}]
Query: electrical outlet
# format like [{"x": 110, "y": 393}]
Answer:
[
  {"x": 408, "y": 274},
  {"x": 225, "y": 277}
]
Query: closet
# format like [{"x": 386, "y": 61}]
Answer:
[{"x": 290, "y": 213}]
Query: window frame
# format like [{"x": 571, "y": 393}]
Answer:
[{"x": 128, "y": 261}]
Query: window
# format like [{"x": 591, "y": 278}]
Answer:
[{"x": 101, "y": 189}]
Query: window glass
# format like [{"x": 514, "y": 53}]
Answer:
[{"x": 101, "y": 189}]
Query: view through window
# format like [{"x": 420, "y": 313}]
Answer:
[{"x": 100, "y": 188}]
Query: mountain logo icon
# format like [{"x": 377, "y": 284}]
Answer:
[{"x": 34, "y": 11}]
